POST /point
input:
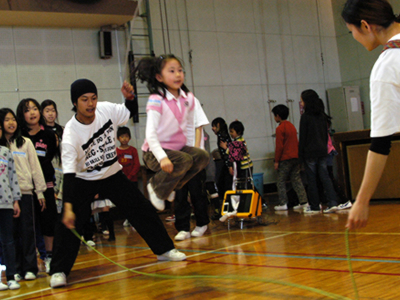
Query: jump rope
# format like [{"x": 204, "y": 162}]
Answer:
[{"x": 241, "y": 278}]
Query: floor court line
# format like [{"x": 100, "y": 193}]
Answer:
[{"x": 145, "y": 266}]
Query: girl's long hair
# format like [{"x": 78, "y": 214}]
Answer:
[
  {"x": 17, "y": 136},
  {"x": 313, "y": 104},
  {"x": 21, "y": 109},
  {"x": 149, "y": 67},
  {"x": 223, "y": 127}
]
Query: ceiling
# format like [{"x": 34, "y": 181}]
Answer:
[{"x": 66, "y": 13}]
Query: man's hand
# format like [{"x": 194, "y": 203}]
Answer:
[
  {"x": 166, "y": 165},
  {"x": 276, "y": 165},
  {"x": 69, "y": 216},
  {"x": 128, "y": 91}
]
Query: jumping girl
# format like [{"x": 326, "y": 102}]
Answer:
[{"x": 170, "y": 115}]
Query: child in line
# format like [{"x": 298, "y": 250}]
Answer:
[
  {"x": 50, "y": 116},
  {"x": 9, "y": 209},
  {"x": 45, "y": 143},
  {"x": 313, "y": 150},
  {"x": 31, "y": 181},
  {"x": 170, "y": 113},
  {"x": 286, "y": 159},
  {"x": 242, "y": 164},
  {"x": 225, "y": 172},
  {"x": 127, "y": 157}
]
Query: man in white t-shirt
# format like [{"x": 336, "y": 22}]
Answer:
[{"x": 90, "y": 166}]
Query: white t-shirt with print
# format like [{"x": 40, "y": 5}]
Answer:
[{"x": 89, "y": 150}]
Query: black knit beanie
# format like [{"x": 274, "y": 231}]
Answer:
[{"x": 80, "y": 87}]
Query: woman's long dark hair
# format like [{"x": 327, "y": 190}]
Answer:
[
  {"x": 378, "y": 12},
  {"x": 314, "y": 105},
  {"x": 149, "y": 67},
  {"x": 17, "y": 136},
  {"x": 21, "y": 109}
]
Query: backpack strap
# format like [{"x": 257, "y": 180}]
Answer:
[{"x": 392, "y": 44}]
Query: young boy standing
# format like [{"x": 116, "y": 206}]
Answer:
[
  {"x": 90, "y": 166},
  {"x": 286, "y": 159},
  {"x": 127, "y": 157}
]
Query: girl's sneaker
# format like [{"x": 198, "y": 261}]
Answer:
[
  {"x": 17, "y": 277},
  {"x": 13, "y": 285},
  {"x": 126, "y": 223},
  {"x": 3, "y": 286},
  {"x": 345, "y": 205},
  {"x": 170, "y": 218}
]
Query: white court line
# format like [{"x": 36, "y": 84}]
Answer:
[{"x": 149, "y": 265}]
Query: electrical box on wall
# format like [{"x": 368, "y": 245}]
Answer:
[
  {"x": 105, "y": 44},
  {"x": 345, "y": 108}
]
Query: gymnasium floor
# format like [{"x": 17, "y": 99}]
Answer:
[{"x": 291, "y": 256}]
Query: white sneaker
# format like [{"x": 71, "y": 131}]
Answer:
[
  {"x": 58, "y": 280},
  {"x": 106, "y": 232},
  {"x": 157, "y": 203},
  {"x": 13, "y": 285},
  {"x": 47, "y": 262},
  {"x": 29, "y": 276},
  {"x": 346, "y": 205},
  {"x": 281, "y": 207},
  {"x": 182, "y": 235},
  {"x": 17, "y": 277},
  {"x": 172, "y": 255},
  {"x": 171, "y": 196},
  {"x": 308, "y": 210},
  {"x": 126, "y": 223},
  {"x": 330, "y": 210},
  {"x": 91, "y": 243},
  {"x": 199, "y": 231},
  {"x": 300, "y": 206},
  {"x": 3, "y": 286}
]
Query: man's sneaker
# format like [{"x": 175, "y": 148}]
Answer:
[
  {"x": 157, "y": 203},
  {"x": 199, "y": 231},
  {"x": 281, "y": 207},
  {"x": 3, "y": 286},
  {"x": 91, "y": 243},
  {"x": 58, "y": 280},
  {"x": 171, "y": 196},
  {"x": 170, "y": 218},
  {"x": 106, "y": 232},
  {"x": 330, "y": 210},
  {"x": 17, "y": 277},
  {"x": 182, "y": 235},
  {"x": 308, "y": 210},
  {"x": 126, "y": 223},
  {"x": 345, "y": 205},
  {"x": 30, "y": 276},
  {"x": 47, "y": 262},
  {"x": 300, "y": 206},
  {"x": 13, "y": 285},
  {"x": 172, "y": 255}
]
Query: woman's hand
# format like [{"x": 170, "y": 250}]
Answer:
[
  {"x": 358, "y": 215},
  {"x": 17, "y": 210},
  {"x": 42, "y": 203},
  {"x": 166, "y": 165}
]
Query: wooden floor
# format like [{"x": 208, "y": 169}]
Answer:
[{"x": 306, "y": 255}]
